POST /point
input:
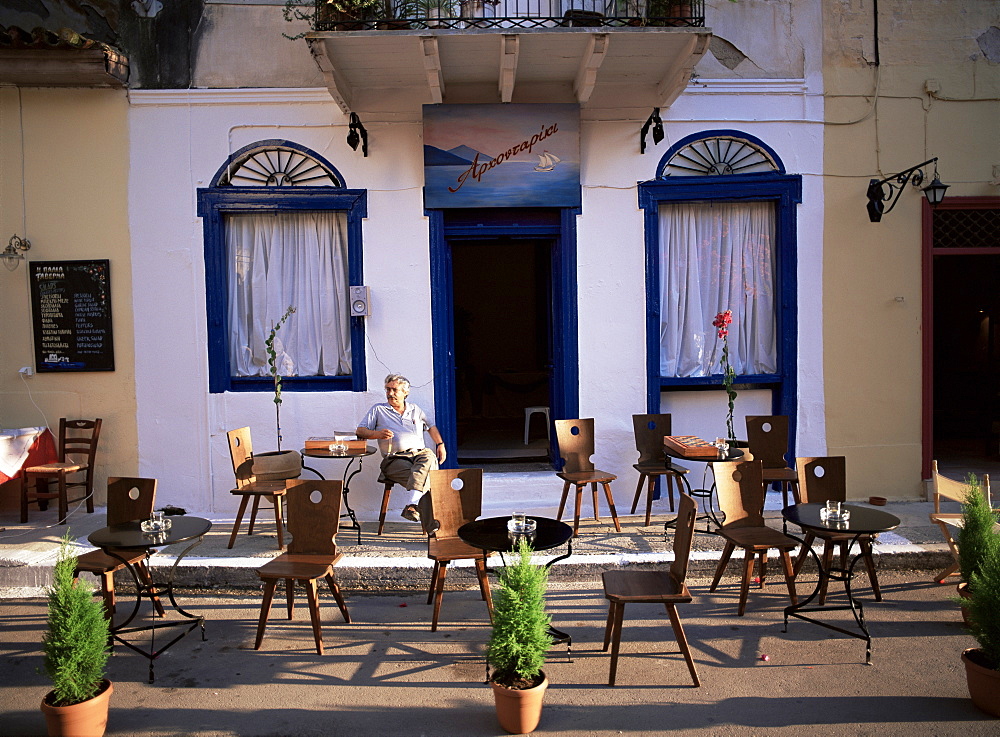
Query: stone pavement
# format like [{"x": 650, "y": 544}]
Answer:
[{"x": 387, "y": 674}]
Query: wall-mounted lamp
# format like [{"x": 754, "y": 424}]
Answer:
[
  {"x": 357, "y": 134},
  {"x": 878, "y": 195},
  {"x": 11, "y": 257},
  {"x": 655, "y": 121}
]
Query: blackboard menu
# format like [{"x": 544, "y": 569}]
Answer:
[{"x": 71, "y": 311}]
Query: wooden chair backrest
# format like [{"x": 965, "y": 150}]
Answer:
[
  {"x": 79, "y": 438},
  {"x": 946, "y": 489},
  {"x": 649, "y": 431},
  {"x": 456, "y": 498},
  {"x": 130, "y": 499},
  {"x": 241, "y": 453},
  {"x": 768, "y": 439},
  {"x": 313, "y": 518},
  {"x": 576, "y": 444},
  {"x": 821, "y": 479},
  {"x": 740, "y": 489},
  {"x": 683, "y": 536}
]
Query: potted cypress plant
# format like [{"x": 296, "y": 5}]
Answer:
[
  {"x": 276, "y": 465},
  {"x": 982, "y": 664},
  {"x": 519, "y": 642},
  {"x": 975, "y": 537},
  {"x": 76, "y": 655}
]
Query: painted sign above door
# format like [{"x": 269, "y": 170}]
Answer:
[{"x": 501, "y": 156}]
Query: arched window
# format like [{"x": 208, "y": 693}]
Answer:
[
  {"x": 720, "y": 235},
  {"x": 282, "y": 230}
]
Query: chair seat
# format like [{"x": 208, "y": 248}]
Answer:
[
  {"x": 780, "y": 474},
  {"x": 298, "y": 566},
  {"x": 451, "y": 548},
  {"x": 97, "y": 561},
  {"x": 758, "y": 538},
  {"x": 644, "y": 587},
  {"x": 261, "y": 488},
  {"x": 587, "y": 477},
  {"x": 657, "y": 469},
  {"x": 56, "y": 467},
  {"x": 949, "y": 518}
]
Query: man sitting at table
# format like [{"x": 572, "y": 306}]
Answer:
[{"x": 399, "y": 427}]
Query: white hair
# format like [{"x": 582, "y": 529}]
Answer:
[{"x": 397, "y": 379}]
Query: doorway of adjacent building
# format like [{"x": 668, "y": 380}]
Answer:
[
  {"x": 963, "y": 338},
  {"x": 502, "y": 326}
]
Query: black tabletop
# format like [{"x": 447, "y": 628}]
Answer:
[
  {"x": 864, "y": 520},
  {"x": 129, "y": 535},
  {"x": 327, "y": 453},
  {"x": 734, "y": 454},
  {"x": 491, "y": 533}
]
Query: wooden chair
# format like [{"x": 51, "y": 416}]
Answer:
[
  {"x": 129, "y": 500},
  {"x": 822, "y": 479},
  {"x": 740, "y": 490},
  {"x": 653, "y": 587},
  {"x": 385, "y": 505},
  {"x": 456, "y": 497},
  {"x": 247, "y": 486},
  {"x": 576, "y": 446},
  {"x": 948, "y": 491},
  {"x": 313, "y": 521},
  {"x": 649, "y": 431},
  {"x": 77, "y": 438},
  {"x": 768, "y": 438}
]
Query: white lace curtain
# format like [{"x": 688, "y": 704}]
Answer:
[
  {"x": 716, "y": 257},
  {"x": 283, "y": 259}
]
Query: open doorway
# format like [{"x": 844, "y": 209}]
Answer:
[
  {"x": 966, "y": 358},
  {"x": 501, "y": 291}
]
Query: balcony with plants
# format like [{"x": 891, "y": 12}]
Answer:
[{"x": 397, "y": 15}]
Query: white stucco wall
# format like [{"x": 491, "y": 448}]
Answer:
[{"x": 180, "y": 138}]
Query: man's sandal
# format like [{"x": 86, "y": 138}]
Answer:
[{"x": 411, "y": 513}]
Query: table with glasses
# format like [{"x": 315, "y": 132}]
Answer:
[
  {"x": 708, "y": 513},
  {"x": 862, "y": 521},
  {"x": 129, "y": 536},
  {"x": 350, "y": 456},
  {"x": 492, "y": 536}
]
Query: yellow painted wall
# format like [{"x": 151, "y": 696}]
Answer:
[
  {"x": 70, "y": 149},
  {"x": 872, "y": 271}
]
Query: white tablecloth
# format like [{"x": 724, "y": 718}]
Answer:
[{"x": 14, "y": 447}]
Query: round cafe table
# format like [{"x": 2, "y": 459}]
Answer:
[
  {"x": 863, "y": 521},
  {"x": 129, "y": 536},
  {"x": 350, "y": 456},
  {"x": 708, "y": 514}
]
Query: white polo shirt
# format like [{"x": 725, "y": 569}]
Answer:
[{"x": 407, "y": 428}]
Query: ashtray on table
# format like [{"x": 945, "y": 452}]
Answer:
[
  {"x": 835, "y": 518},
  {"x": 155, "y": 527}
]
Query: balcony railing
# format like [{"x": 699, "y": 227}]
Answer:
[{"x": 392, "y": 15}]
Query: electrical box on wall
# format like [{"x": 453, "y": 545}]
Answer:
[{"x": 360, "y": 302}]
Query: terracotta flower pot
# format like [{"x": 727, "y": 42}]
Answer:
[
  {"x": 277, "y": 466},
  {"x": 519, "y": 710},
  {"x": 984, "y": 683},
  {"x": 86, "y": 719}
]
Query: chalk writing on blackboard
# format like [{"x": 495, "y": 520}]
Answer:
[{"x": 71, "y": 309}]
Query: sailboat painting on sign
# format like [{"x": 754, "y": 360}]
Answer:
[
  {"x": 547, "y": 161},
  {"x": 489, "y": 155}
]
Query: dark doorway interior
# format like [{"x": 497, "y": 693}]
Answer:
[
  {"x": 966, "y": 351},
  {"x": 502, "y": 313}
]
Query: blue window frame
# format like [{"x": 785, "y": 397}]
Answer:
[
  {"x": 704, "y": 168},
  {"x": 268, "y": 176}
]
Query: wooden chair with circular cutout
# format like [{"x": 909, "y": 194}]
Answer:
[
  {"x": 129, "y": 500},
  {"x": 313, "y": 521},
  {"x": 456, "y": 497},
  {"x": 576, "y": 448},
  {"x": 649, "y": 431},
  {"x": 248, "y": 487},
  {"x": 740, "y": 490},
  {"x": 767, "y": 436}
]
